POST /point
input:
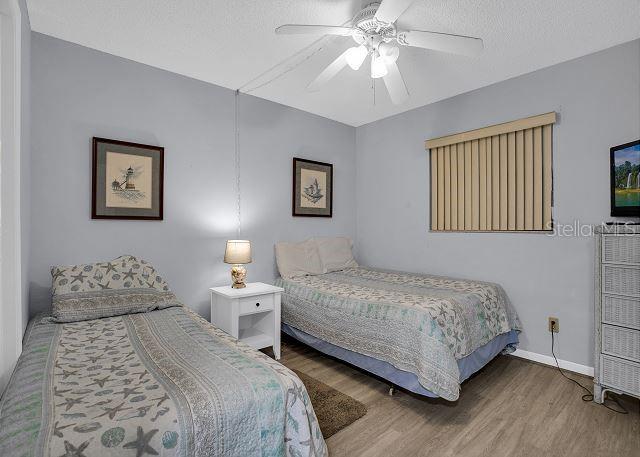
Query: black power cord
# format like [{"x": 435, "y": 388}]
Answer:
[{"x": 589, "y": 395}]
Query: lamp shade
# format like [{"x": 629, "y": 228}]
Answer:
[{"x": 237, "y": 252}]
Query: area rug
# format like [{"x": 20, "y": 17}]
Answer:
[{"x": 334, "y": 409}]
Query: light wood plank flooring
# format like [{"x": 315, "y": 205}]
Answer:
[{"x": 510, "y": 408}]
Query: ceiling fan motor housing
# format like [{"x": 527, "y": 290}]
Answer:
[{"x": 370, "y": 29}]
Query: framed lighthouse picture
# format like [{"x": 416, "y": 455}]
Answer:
[
  {"x": 312, "y": 188},
  {"x": 127, "y": 180}
]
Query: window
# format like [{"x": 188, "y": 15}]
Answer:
[{"x": 494, "y": 179}]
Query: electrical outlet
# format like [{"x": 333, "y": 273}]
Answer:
[{"x": 554, "y": 324}]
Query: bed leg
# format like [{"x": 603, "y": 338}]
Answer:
[{"x": 392, "y": 390}]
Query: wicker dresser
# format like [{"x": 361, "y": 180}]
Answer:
[{"x": 617, "y": 311}]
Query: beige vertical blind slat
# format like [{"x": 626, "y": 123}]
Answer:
[
  {"x": 495, "y": 176},
  {"x": 489, "y": 184},
  {"x": 547, "y": 164},
  {"x": 537, "y": 178},
  {"x": 434, "y": 191},
  {"x": 499, "y": 178},
  {"x": 440, "y": 188},
  {"x": 511, "y": 180},
  {"x": 447, "y": 189},
  {"x": 482, "y": 163},
  {"x": 460, "y": 149},
  {"x": 503, "y": 182},
  {"x": 475, "y": 187},
  {"x": 528, "y": 179},
  {"x": 520, "y": 180},
  {"x": 454, "y": 187},
  {"x": 467, "y": 185}
]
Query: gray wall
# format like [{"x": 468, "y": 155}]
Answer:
[
  {"x": 598, "y": 99},
  {"x": 79, "y": 93}
]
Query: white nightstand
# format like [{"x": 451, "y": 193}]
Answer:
[{"x": 251, "y": 315}]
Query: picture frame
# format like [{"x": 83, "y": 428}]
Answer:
[
  {"x": 127, "y": 180},
  {"x": 624, "y": 163},
  {"x": 312, "y": 189}
]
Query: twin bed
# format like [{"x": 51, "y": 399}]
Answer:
[
  {"x": 154, "y": 379},
  {"x": 121, "y": 367},
  {"x": 424, "y": 333}
]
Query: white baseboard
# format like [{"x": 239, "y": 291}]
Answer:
[{"x": 548, "y": 360}]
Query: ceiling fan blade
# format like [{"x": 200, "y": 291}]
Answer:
[
  {"x": 390, "y": 10},
  {"x": 300, "y": 29},
  {"x": 332, "y": 69},
  {"x": 445, "y": 42},
  {"x": 395, "y": 84}
]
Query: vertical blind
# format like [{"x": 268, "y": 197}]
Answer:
[{"x": 497, "y": 178}]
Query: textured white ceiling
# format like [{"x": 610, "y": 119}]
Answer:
[{"x": 232, "y": 42}]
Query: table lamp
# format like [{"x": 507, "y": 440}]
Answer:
[{"x": 238, "y": 253}]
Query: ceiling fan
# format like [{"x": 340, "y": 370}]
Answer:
[{"x": 375, "y": 34}]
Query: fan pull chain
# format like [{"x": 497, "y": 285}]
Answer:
[
  {"x": 373, "y": 90},
  {"x": 237, "y": 161}
]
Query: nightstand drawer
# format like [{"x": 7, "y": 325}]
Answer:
[{"x": 256, "y": 304}]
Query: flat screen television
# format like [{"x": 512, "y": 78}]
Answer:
[{"x": 625, "y": 180}]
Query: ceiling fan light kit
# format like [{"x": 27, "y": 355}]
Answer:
[
  {"x": 355, "y": 56},
  {"x": 374, "y": 31},
  {"x": 378, "y": 66}
]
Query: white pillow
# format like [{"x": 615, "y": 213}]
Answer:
[
  {"x": 298, "y": 259},
  {"x": 335, "y": 253}
]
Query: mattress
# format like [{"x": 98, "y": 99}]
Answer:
[
  {"x": 420, "y": 324},
  {"x": 164, "y": 382}
]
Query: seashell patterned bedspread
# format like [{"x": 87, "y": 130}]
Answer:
[
  {"x": 164, "y": 383},
  {"x": 418, "y": 323}
]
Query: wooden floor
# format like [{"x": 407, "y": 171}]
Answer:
[{"x": 510, "y": 408}]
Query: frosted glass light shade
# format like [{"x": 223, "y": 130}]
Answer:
[
  {"x": 378, "y": 67},
  {"x": 388, "y": 52},
  {"x": 355, "y": 56},
  {"x": 237, "y": 252}
]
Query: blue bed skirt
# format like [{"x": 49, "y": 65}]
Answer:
[{"x": 467, "y": 365}]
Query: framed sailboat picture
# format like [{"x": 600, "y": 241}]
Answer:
[
  {"x": 312, "y": 188},
  {"x": 127, "y": 180}
]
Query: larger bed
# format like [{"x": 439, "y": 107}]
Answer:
[
  {"x": 162, "y": 382},
  {"x": 421, "y": 332}
]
